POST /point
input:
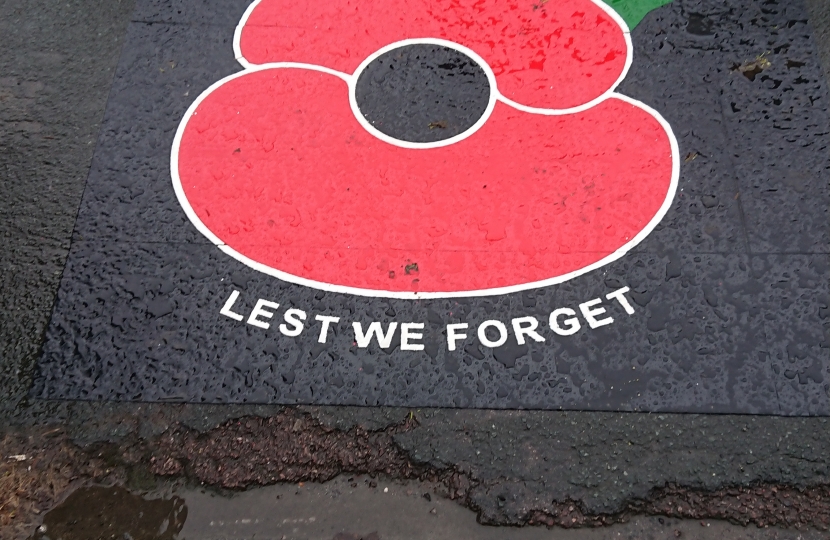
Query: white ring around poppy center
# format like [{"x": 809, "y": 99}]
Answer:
[{"x": 491, "y": 101}]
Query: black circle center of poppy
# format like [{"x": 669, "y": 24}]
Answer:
[{"x": 422, "y": 93}]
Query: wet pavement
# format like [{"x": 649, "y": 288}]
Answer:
[
  {"x": 346, "y": 508},
  {"x": 508, "y": 467},
  {"x": 431, "y": 265}
]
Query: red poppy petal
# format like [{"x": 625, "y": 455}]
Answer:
[
  {"x": 556, "y": 54},
  {"x": 276, "y": 166}
]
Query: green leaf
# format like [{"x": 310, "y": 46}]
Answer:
[{"x": 633, "y": 11}]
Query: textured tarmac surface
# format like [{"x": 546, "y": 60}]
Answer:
[
  {"x": 54, "y": 91},
  {"x": 728, "y": 295}
]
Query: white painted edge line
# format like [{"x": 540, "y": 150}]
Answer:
[
  {"x": 494, "y": 95},
  {"x": 237, "y": 35}
]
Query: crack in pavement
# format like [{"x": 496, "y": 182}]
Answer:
[{"x": 294, "y": 447}]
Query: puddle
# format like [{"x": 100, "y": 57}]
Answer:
[{"x": 101, "y": 512}]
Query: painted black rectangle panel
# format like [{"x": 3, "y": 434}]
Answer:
[{"x": 723, "y": 307}]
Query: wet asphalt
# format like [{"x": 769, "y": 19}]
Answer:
[{"x": 55, "y": 76}]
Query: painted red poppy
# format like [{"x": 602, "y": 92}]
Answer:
[{"x": 277, "y": 165}]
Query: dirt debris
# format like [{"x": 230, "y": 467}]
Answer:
[
  {"x": 764, "y": 505},
  {"x": 753, "y": 68},
  {"x": 38, "y": 469},
  {"x": 287, "y": 447}
]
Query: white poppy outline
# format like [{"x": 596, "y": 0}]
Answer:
[{"x": 495, "y": 95}]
